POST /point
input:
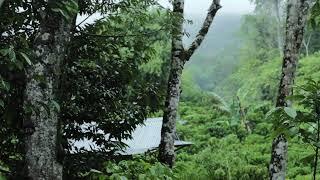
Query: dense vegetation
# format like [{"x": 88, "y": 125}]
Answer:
[{"x": 115, "y": 73}]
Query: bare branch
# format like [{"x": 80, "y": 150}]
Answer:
[{"x": 215, "y": 6}]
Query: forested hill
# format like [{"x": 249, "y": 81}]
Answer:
[
  {"x": 217, "y": 56},
  {"x": 223, "y": 33}
]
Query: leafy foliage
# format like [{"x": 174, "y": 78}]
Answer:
[
  {"x": 102, "y": 80},
  {"x": 115, "y": 76},
  {"x": 135, "y": 169}
]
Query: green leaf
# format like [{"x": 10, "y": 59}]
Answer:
[
  {"x": 26, "y": 58},
  {"x": 290, "y": 112}
]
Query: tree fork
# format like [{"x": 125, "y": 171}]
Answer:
[{"x": 179, "y": 57}]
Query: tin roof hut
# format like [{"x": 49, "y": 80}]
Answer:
[{"x": 145, "y": 138}]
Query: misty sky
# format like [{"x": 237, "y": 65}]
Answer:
[{"x": 201, "y": 6}]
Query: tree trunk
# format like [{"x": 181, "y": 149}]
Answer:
[
  {"x": 243, "y": 118},
  {"x": 178, "y": 59},
  {"x": 41, "y": 116},
  {"x": 166, "y": 148},
  {"x": 297, "y": 12},
  {"x": 307, "y": 43},
  {"x": 279, "y": 26},
  {"x": 316, "y": 163},
  {"x": 316, "y": 156},
  {"x": 317, "y": 109}
]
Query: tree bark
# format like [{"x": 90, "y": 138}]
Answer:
[
  {"x": 166, "y": 148},
  {"x": 179, "y": 57},
  {"x": 41, "y": 116},
  {"x": 297, "y": 12}
]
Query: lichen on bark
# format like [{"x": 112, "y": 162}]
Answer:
[{"x": 42, "y": 82}]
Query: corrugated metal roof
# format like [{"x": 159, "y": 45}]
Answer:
[{"x": 145, "y": 138}]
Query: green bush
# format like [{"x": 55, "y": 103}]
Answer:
[{"x": 133, "y": 169}]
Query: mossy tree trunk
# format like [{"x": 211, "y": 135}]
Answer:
[{"x": 41, "y": 110}]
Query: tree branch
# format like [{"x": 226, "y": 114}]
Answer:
[
  {"x": 309, "y": 39},
  {"x": 121, "y": 35},
  {"x": 100, "y": 7},
  {"x": 215, "y": 6}
]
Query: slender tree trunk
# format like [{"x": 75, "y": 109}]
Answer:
[
  {"x": 307, "y": 43},
  {"x": 242, "y": 113},
  {"x": 306, "y": 48},
  {"x": 166, "y": 148},
  {"x": 315, "y": 164},
  {"x": 297, "y": 12},
  {"x": 179, "y": 58},
  {"x": 317, "y": 148},
  {"x": 41, "y": 116},
  {"x": 279, "y": 26},
  {"x": 316, "y": 156}
]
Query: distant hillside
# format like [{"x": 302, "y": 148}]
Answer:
[
  {"x": 217, "y": 56},
  {"x": 221, "y": 34}
]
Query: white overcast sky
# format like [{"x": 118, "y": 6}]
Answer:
[
  {"x": 228, "y": 6},
  {"x": 200, "y": 7}
]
